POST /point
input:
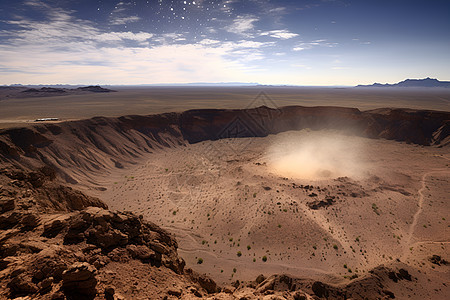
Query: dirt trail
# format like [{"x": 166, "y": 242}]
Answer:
[{"x": 413, "y": 225}]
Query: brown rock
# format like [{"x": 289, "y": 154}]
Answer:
[
  {"x": 141, "y": 252},
  {"x": 107, "y": 239},
  {"x": 9, "y": 221},
  {"x": 175, "y": 291},
  {"x": 260, "y": 278},
  {"x": 53, "y": 229},
  {"x": 45, "y": 285},
  {"x": 79, "y": 281},
  {"x": 204, "y": 281},
  {"x": 266, "y": 285},
  {"x": 299, "y": 295},
  {"x": 228, "y": 289},
  {"x": 109, "y": 293},
  {"x": 7, "y": 205},
  {"x": 320, "y": 289},
  {"x": 158, "y": 247},
  {"x": 21, "y": 286},
  {"x": 119, "y": 255}
]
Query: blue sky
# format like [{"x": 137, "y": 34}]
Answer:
[{"x": 314, "y": 42}]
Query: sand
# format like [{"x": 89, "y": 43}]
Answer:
[{"x": 228, "y": 205}]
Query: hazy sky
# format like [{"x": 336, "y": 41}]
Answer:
[{"x": 314, "y": 42}]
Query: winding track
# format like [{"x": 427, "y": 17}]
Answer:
[{"x": 413, "y": 225}]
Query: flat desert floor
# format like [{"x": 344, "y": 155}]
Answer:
[
  {"x": 318, "y": 204},
  {"x": 153, "y": 100}
]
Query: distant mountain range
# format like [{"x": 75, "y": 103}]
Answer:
[
  {"x": 21, "y": 91},
  {"x": 424, "y": 83}
]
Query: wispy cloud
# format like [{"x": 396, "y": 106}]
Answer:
[
  {"x": 242, "y": 25},
  {"x": 282, "y": 34},
  {"x": 315, "y": 43},
  {"x": 124, "y": 20},
  {"x": 120, "y": 16},
  {"x": 120, "y": 36}
]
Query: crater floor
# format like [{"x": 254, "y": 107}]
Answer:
[{"x": 373, "y": 202}]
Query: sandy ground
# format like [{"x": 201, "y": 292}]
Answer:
[
  {"x": 152, "y": 100},
  {"x": 230, "y": 204}
]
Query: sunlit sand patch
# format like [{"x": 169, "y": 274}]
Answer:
[{"x": 317, "y": 155}]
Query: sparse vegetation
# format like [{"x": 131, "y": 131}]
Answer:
[
  {"x": 239, "y": 253},
  {"x": 249, "y": 247},
  {"x": 264, "y": 258},
  {"x": 375, "y": 209},
  {"x": 335, "y": 247},
  {"x": 199, "y": 261}
]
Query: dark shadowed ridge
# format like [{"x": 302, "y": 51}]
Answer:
[
  {"x": 27, "y": 92},
  {"x": 414, "y": 83}
]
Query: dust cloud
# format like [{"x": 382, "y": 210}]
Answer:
[{"x": 317, "y": 155}]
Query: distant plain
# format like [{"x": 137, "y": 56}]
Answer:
[{"x": 153, "y": 100}]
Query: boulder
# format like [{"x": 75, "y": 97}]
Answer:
[
  {"x": 80, "y": 281},
  {"x": 21, "y": 285},
  {"x": 7, "y": 205},
  {"x": 54, "y": 228},
  {"x": 320, "y": 289}
]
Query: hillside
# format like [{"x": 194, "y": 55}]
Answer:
[{"x": 414, "y": 83}]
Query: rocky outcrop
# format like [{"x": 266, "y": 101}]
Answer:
[{"x": 65, "y": 253}]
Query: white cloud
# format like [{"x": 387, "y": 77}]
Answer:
[
  {"x": 242, "y": 25},
  {"x": 67, "y": 49},
  {"x": 118, "y": 36},
  {"x": 124, "y": 20},
  {"x": 282, "y": 34},
  {"x": 316, "y": 43}
]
